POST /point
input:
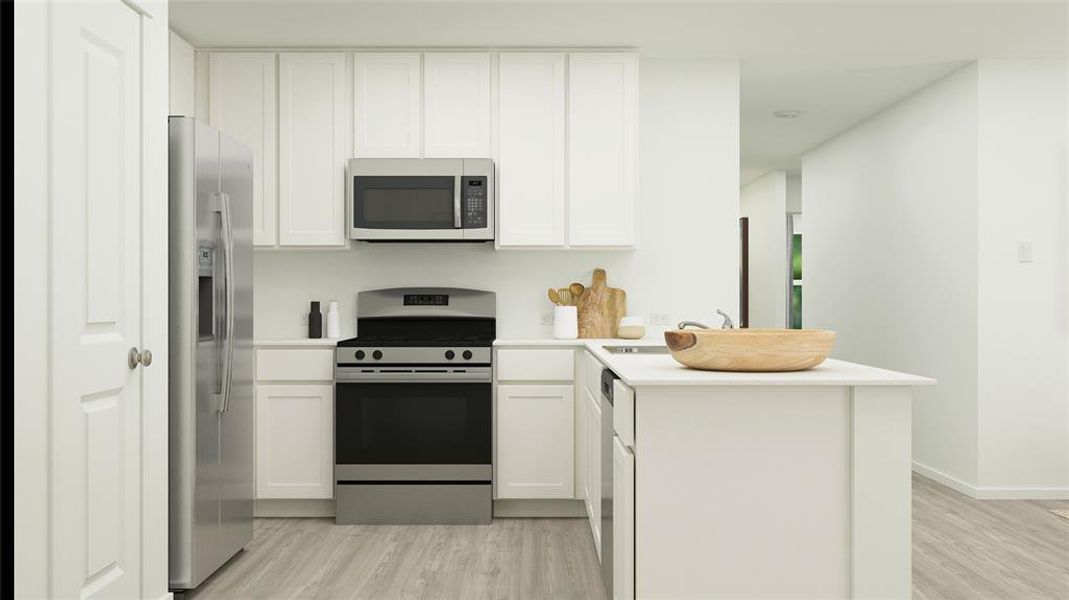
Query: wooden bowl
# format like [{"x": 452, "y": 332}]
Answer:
[{"x": 750, "y": 349}]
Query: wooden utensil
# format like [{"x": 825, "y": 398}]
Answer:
[
  {"x": 554, "y": 297},
  {"x": 577, "y": 290},
  {"x": 565, "y": 296},
  {"x": 601, "y": 308}
]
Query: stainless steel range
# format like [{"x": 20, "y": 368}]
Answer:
[{"x": 412, "y": 431}]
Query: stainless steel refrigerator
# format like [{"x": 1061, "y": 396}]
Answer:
[{"x": 211, "y": 387}]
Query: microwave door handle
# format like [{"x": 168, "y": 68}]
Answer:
[{"x": 456, "y": 202}]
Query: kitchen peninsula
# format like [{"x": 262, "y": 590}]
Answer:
[{"x": 757, "y": 485}]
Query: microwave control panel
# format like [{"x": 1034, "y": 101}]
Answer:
[{"x": 475, "y": 199}]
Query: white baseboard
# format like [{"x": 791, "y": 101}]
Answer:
[
  {"x": 991, "y": 493},
  {"x": 550, "y": 508},
  {"x": 295, "y": 507}
]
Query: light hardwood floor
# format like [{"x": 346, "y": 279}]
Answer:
[
  {"x": 551, "y": 559},
  {"x": 963, "y": 549},
  {"x": 987, "y": 549}
]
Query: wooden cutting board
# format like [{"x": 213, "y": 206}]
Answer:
[{"x": 601, "y": 308}]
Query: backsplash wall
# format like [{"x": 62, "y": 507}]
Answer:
[{"x": 685, "y": 264}]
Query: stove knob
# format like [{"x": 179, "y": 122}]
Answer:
[
  {"x": 450, "y": 355},
  {"x": 467, "y": 355},
  {"x": 360, "y": 355},
  {"x": 376, "y": 354}
]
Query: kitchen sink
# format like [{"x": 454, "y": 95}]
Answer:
[{"x": 637, "y": 349}]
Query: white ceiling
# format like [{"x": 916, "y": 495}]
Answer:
[{"x": 837, "y": 62}]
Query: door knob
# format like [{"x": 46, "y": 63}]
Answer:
[{"x": 134, "y": 358}]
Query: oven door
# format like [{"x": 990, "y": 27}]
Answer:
[{"x": 392, "y": 425}]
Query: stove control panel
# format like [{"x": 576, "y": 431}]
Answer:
[{"x": 412, "y": 356}]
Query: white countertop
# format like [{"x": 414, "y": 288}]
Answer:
[
  {"x": 639, "y": 370},
  {"x": 294, "y": 343}
]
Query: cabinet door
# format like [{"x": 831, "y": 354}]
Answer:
[
  {"x": 456, "y": 105},
  {"x": 313, "y": 145},
  {"x": 241, "y": 97},
  {"x": 535, "y": 430},
  {"x": 294, "y": 441},
  {"x": 593, "y": 467},
  {"x": 530, "y": 149},
  {"x": 623, "y": 522},
  {"x": 386, "y": 96},
  {"x": 602, "y": 136}
]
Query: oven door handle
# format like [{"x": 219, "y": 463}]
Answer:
[
  {"x": 472, "y": 376},
  {"x": 456, "y": 202}
]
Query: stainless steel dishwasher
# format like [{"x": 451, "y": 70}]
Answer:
[{"x": 607, "y": 432}]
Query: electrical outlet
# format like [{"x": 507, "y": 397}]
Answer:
[
  {"x": 547, "y": 318},
  {"x": 662, "y": 319},
  {"x": 304, "y": 319}
]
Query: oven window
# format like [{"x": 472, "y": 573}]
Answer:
[
  {"x": 403, "y": 202},
  {"x": 412, "y": 423}
]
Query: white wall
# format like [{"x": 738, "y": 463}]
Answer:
[
  {"x": 890, "y": 257},
  {"x": 181, "y": 76},
  {"x": 687, "y": 255},
  {"x": 913, "y": 220},
  {"x": 764, "y": 201},
  {"x": 1023, "y": 307},
  {"x": 794, "y": 192}
]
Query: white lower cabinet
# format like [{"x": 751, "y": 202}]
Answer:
[
  {"x": 294, "y": 441},
  {"x": 593, "y": 467},
  {"x": 623, "y": 521},
  {"x": 535, "y": 432}
]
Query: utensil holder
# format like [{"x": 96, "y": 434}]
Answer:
[{"x": 565, "y": 322}]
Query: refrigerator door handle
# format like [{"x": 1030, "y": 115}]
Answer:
[{"x": 228, "y": 293}]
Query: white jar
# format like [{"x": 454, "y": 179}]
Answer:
[
  {"x": 565, "y": 322},
  {"x": 631, "y": 328},
  {"x": 333, "y": 321}
]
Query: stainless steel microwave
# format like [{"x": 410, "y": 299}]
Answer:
[{"x": 421, "y": 199}]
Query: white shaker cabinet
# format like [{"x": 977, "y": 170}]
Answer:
[
  {"x": 241, "y": 98},
  {"x": 386, "y": 105},
  {"x": 535, "y": 432},
  {"x": 531, "y": 149},
  {"x": 294, "y": 422},
  {"x": 456, "y": 104},
  {"x": 593, "y": 466},
  {"x": 623, "y": 521},
  {"x": 294, "y": 435},
  {"x": 602, "y": 148},
  {"x": 314, "y": 144}
]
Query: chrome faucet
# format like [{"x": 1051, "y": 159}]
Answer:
[{"x": 728, "y": 323}]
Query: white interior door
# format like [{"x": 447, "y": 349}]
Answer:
[{"x": 96, "y": 291}]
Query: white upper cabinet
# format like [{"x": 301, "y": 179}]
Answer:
[
  {"x": 386, "y": 97},
  {"x": 456, "y": 105},
  {"x": 241, "y": 99},
  {"x": 602, "y": 148},
  {"x": 314, "y": 143},
  {"x": 531, "y": 149}
]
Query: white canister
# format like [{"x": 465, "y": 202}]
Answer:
[
  {"x": 565, "y": 322},
  {"x": 631, "y": 328},
  {"x": 333, "y": 321}
]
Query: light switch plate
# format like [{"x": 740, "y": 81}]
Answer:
[
  {"x": 547, "y": 318},
  {"x": 1024, "y": 252},
  {"x": 304, "y": 319},
  {"x": 660, "y": 319}
]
